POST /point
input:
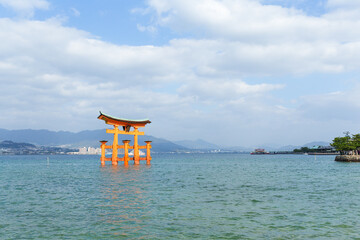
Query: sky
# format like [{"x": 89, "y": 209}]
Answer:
[{"x": 231, "y": 72}]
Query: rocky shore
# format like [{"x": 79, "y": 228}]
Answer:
[{"x": 348, "y": 158}]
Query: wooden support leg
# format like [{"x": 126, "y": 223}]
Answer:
[
  {"x": 102, "y": 159},
  {"x": 126, "y": 152},
  {"x": 148, "y": 156},
  {"x": 136, "y": 148},
  {"x": 114, "y": 157}
]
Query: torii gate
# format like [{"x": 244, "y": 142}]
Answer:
[{"x": 126, "y": 125}]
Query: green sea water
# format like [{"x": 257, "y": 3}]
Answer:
[{"x": 180, "y": 196}]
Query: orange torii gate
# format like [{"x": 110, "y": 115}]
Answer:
[{"x": 126, "y": 124}]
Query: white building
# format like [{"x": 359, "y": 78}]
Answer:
[{"x": 89, "y": 151}]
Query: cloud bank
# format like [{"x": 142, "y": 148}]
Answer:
[
  {"x": 216, "y": 83},
  {"x": 25, "y": 8}
]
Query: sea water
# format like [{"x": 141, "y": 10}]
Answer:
[{"x": 180, "y": 196}]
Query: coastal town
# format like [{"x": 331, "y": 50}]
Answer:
[
  {"x": 14, "y": 148},
  {"x": 87, "y": 151}
]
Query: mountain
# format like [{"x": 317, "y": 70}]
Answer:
[
  {"x": 13, "y": 145},
  {"x": 309, "y": 145},
  {"x": 46, "y": 137},
  {"x": 277, "y": 148},
  {"x": 197, "y": 144},
  {"x": 14, "y": 148},
  {"x": 89, "y": 138},
  {"x": 286, "y": 148},
  {"x": 238, "y": 149},
  {"x": 161, "y": 145}
]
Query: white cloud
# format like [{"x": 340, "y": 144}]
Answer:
[
  {"x": 51, "y": 69},
  {"x": 75, "y": 12},
  {"x": 151, "y": 29},
  {"x": 59, "y": 77},
  {"x": 25, "y": 8},
  {"x": 344, "y": 3},
  {"x": 250, "y": 21},
  {"x": 54, "y": 75},
  {"x": 222, "y": 91},
  {"x": 341, "y": 105}
]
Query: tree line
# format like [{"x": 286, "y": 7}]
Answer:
[
  {"x": 349, "y": 145},
  {"x": 305, "y": 150}
]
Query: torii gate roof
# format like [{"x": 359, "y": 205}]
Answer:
[{"x": 122, "y": 121}]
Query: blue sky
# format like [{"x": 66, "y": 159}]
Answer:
[{"x": 232, "y": 72}]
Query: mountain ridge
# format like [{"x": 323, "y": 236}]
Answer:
[
  {"x": 197, "y": 144},
  {"x": 91, "y": 138}
]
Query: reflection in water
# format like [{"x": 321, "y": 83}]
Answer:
[{"x": 125, "y": 207}]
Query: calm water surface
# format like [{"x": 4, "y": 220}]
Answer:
[{"x": 180, "y": 196}]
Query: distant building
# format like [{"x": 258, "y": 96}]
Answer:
[{"x": 88, "y": 151}]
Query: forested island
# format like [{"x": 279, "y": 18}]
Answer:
[
  {"x": 348, "y": 146},
  {"x": 326, "y": 150}
]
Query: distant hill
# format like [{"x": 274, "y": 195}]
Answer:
[
  {"x": 88, "y": 138},
  {"x": 46, "y": 137},
  {"x": 286, "y": 148},
  {"x": 238, "y": 149},
  {"x": 309, "y": 145},
  {"x": 13, "y": 145},
  {"x": 278, "y": 148},
  {"x": 15, "y": 148},
  {"x": 197, "y": 144}
]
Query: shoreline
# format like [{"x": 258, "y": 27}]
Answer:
[{"x": 348, "y": 158}]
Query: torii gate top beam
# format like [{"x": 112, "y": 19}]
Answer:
[{"x": 123, "y": 122}]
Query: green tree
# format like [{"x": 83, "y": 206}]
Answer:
[
  {"x": 304, "y": 150},
  {"x": 343, "y": 144},
  {"x": 356, "y": 141}
]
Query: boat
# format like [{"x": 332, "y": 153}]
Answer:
[{"x": 259, "y": 151}]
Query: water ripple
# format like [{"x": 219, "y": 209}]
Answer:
[{"x": 186, "y": 196}]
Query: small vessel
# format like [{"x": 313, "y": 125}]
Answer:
[{"x": 259, "y": 151}]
